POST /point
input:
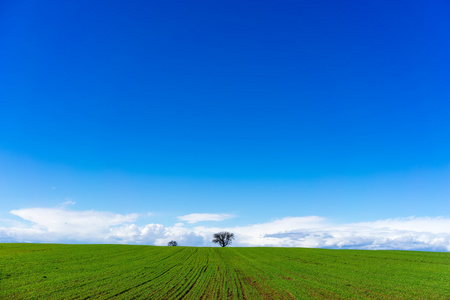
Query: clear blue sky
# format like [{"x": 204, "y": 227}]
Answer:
[{"x": 257, "y": 109}]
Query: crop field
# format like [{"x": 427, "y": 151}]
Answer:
[{"x": 48, "y": 271}]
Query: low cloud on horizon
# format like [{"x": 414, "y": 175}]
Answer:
[{"x": 62, "y": 225}]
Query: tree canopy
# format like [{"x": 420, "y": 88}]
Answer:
[
  {"x": 172, "y": 243},
  {"x": 223, "y": 238}
]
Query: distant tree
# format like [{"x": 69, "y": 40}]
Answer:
[
  {"x": 223, "y": 238},
  {"x": 172, "y": 243}
]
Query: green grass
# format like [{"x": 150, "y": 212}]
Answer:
[{"x": 44, "y": 271}]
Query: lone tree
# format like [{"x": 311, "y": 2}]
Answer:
[
  {"x": 172, "y": 243},
  {"x": 223, "y": 238}
]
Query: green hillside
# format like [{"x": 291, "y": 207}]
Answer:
[{"x": 44, "y": 271}]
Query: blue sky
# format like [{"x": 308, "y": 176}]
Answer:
[{"x": 239, "y": 113}]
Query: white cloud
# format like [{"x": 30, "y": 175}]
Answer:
[
  {"x": 69, "y": 202},
  {"x": 194, "y": 218},
  {"x": 62, "y": 225},
  {"x": 411, "y": 233}
]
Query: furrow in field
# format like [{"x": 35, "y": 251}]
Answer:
[
  {"x": 154, "y": 278},
  {"x": 163, "y": 284}
]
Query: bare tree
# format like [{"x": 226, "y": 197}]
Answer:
[
  {"x": 172, "y": 243},
  {"x": 223, "y": 238}
]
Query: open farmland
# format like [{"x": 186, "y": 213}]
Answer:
[{"x": 47, "y": 271}]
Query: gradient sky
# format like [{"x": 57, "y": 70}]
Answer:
[{"x": 258, "y": 110}]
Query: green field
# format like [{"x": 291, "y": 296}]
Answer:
[{"x": 45, "y": 271}]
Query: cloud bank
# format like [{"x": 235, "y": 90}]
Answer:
[{"x": 63, "y": 225}]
